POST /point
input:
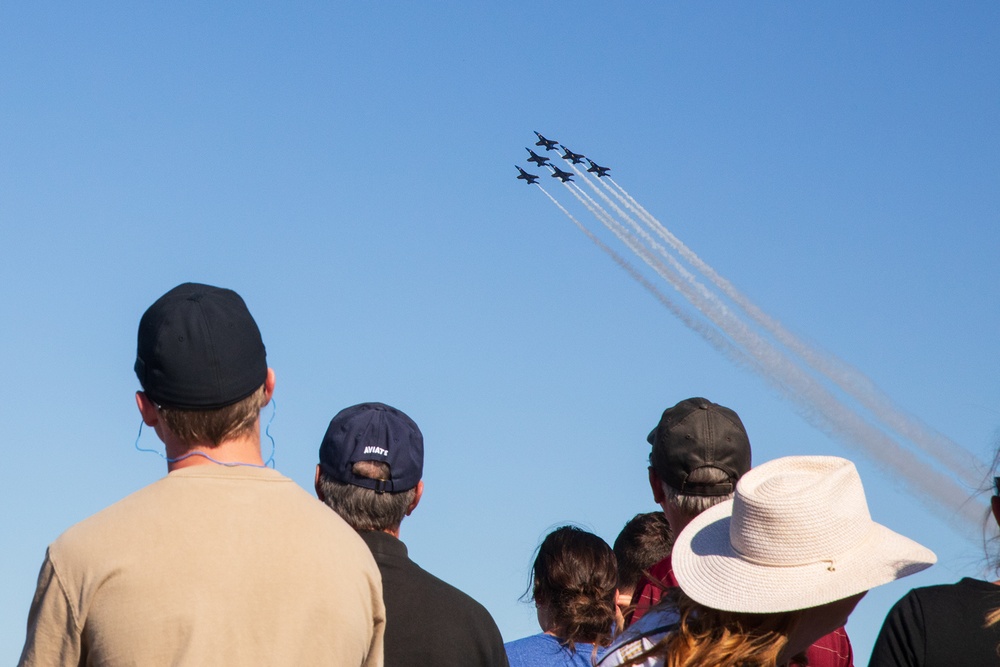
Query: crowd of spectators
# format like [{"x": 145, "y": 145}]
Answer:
[{"x": 742, "y": 566}]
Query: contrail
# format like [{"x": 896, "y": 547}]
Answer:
[
  {"x": 955, "y": 457},
  {"x": 712, "y": 336},
  {"x": 677, "y": 266},
  {"x": 821, "y": 408}
]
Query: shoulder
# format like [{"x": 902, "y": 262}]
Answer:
[
  {"x": 259, "y": 504},
  {"x": 433, "y": 618},
  {"x": 832, "y": 650},
  {"x": 641, "y": 636},
  {"x": 298, "y": 516},
  {"x": 439, "y": 590},
  {"x": 544, "y": 650},
  {"x": 96, "y": 529},
  {"x": 651, "y": 587},
  {"x": 531, "y": 646},
  {"x": 962, "y": 588},
  {"x": 663, "y": 569},
  {"x": 935, "y": 622},
  {"x": 965, "y": 594}
]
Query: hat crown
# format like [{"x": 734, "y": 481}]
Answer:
[
  {"x": 199, "y": 348},
  {"x": 791, "y": 515},
  {"x": 373, "y": 432},
  {"x": 697, "y": 433},
  {"x": 797, "y": 534}
]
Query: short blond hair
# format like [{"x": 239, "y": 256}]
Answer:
[{"x": 215, "y": 426}]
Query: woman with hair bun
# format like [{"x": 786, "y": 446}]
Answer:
[{"x": 574, "y": 582}]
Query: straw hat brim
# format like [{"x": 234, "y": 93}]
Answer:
[{"x": 713, "y": 574}]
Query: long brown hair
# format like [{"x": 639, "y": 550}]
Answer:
[
  {"x": 709, "y": 637},
  {"x": 575, "y": 577}
]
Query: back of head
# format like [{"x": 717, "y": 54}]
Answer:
[
  {"x": 699, "y": 451},
  {"x": 689, "y": 505},
  {"x": 371, "y": 460},
  {"x": 200, "y": 359},
  {"x": 574, "y": 577},
  {"x": 644, "y": 541}
]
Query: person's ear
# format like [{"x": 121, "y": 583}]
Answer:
[
  {"x": 319, "y": 491},
  {"x": 656, "y": 486},
  {"x": 269, "y": 386},
  {"x": 621, "y": 604},
  {"x": 148, "y": 410},
  {"x": 416, "y": 497}
]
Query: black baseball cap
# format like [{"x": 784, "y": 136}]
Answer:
[
  {"x": 694, "y": 434},
  {"x": 199, "y": 349},
  {"x": 373, "y": 432}
]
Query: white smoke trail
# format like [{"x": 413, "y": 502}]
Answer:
[
  {"x": 814, "y": 401},
  {"x": 955, "y": 457},
  {"x": 681, "y": 280},
  {"x": 675, "y": 265},
  {"x": 710, "y": 335}
]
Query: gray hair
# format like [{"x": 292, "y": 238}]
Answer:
[{"x": 366, "y": 509}]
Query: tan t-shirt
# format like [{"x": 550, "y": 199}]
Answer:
[{"x": 211, "y": 565}]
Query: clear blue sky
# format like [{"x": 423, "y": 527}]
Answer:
[{"x": 349, "y": 170}]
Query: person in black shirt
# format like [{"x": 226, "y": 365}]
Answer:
[
  {"x": 941, "y": 626},
  {"x": 369, "y": 472}
]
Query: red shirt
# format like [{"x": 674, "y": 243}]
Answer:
[
  {"x": 833, "y": 650},
  {"x": 647, "y": 594}
]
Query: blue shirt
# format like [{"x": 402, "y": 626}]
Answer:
[{"x": 545, "y": 651}]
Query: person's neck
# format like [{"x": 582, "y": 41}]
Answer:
[
  {"x": 242, "y": 450},
  {"x": 547, "y": 623}
]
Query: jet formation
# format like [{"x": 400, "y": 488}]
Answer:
[{"x": 567, "y": 155}]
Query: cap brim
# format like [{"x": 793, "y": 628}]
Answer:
[{"x": 713, "y": 574}]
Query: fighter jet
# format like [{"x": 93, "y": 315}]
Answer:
[
  {"x": 559, "y": 173},
  {"x": 575, "y": 158},
  {"x": 597, "y": 169},
  {"x": 548, "y": 143},
  {"x": 530, "y": 179},
  {"x": 540, "y": 160}
]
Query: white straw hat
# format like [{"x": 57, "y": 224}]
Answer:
[{"x": 797, "y": 534}]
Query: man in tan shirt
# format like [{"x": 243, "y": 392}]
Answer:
[{"x": 224, "y": 561}]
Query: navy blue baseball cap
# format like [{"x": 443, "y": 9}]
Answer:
[
  {"x": 199, "y": 348},
  {"x": 373, "y": 432}
]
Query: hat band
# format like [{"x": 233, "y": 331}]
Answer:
[
  {"x": 832, "y": 566},
  {"x": 707, "y": 489}
]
